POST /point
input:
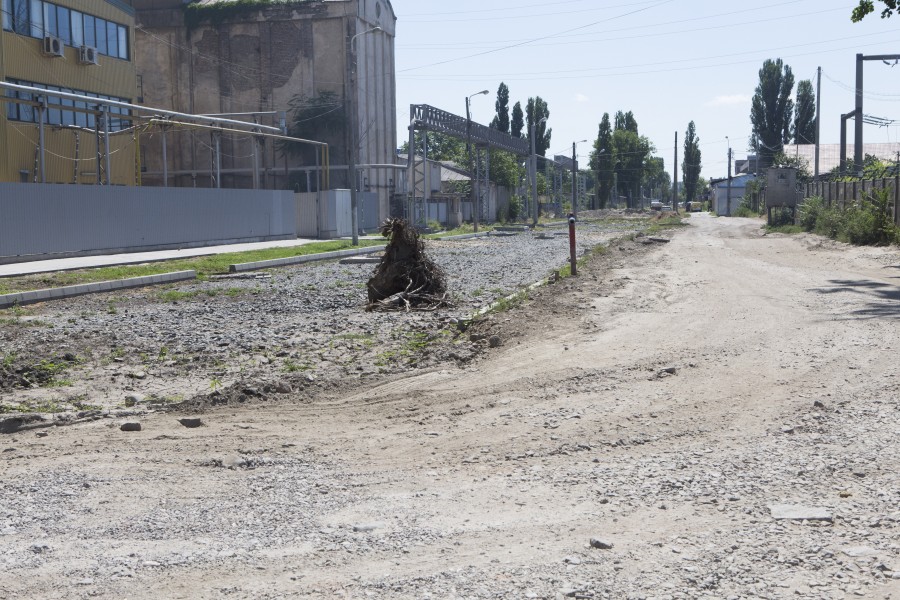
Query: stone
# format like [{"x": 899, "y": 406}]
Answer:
[
  {"x": 283, "y": 387},
  {"x": 601, "y": 544},
  {"x": 39, "y": 548},
  {"x": 365, "y": 527},
  {"x": 800, "y": 513},
  {"x": 234, "y": 461},
  {"x": 859, "y": 551},
  {"x": 130, "y": 427},
  {"x": 191, "y": 423},
  {"x": 572, "y": 560},
  {"x": 494, "y": 341},
  {"x": 819, "y": 404},
  {"x": 134, "y": 399}
]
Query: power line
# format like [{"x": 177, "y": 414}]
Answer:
[
  {"x": 652, "y": 71},
  {"x": 525, "y": 43}
]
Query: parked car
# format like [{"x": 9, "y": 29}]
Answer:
[{"x": 656, "y": 205}]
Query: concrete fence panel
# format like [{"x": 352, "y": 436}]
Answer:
[{"x": 49, "y": 220}]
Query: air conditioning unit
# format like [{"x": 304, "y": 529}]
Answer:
[
  {"x": 53, "y": 46},
  {"x": 87, "y": 55}
]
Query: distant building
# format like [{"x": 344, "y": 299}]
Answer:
[
  {"x": 719, "y": 195},
  {"x": 829, "y": 156},
  {"x": 86, "y": 51},
  {"x": 260, "y": 59}
]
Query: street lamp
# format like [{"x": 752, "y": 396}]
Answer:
[
  {"x": 575, "y": 179},
  {"x": 475, "y": 199},
  {"x": 352, "y": 144},
  {"x": 534, "y": 198}
]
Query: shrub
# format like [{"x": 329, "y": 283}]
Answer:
[{"x": 810, "y": 211}]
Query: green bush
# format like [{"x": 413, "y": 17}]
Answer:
[
  {"x": 868, "y": 224},
  {"x": 810, "y": 211},
  {"x": 745, "y": 211},
  {"x": 782, "y": 216}
]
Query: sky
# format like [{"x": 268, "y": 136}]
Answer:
[{"x": 668, "y": 61}]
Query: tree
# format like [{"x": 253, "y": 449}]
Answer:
[
  {"x": 630, "y": 151},
  {"x": 535, "y": 111},
  {"x": 602, "y": 161},
  {"x": 867, "y": 7},
  {"x": 771, "y": 110},
  {"x": 518, "y": 121},
  {"x": 805, "y": 114},
  {"x": 690, "y": 167},
  {"x": 440, "y": 147},
  {"x": 656, "y": 179},
  {"x": 501, "y": 119},
  {"x": 318, "y": 118}
]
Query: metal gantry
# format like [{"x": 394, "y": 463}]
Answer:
[{"x": 428, "y": 118}]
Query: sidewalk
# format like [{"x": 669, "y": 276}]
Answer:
[{"x": 131, "y": 258}]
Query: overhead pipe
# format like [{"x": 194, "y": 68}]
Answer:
[{"x": 135, "y": 107}]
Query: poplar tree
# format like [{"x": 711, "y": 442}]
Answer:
[
  {"x": 805, "y": 114},
  {"x": 501, "y": 119},
  {"x": 772, "y": 110},
  {"x": 690, "y": 166}
]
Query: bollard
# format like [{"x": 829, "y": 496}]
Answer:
[{"x": 572, "y": 260}]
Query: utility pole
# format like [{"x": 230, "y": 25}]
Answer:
[
  {"x": 675, "y": 178},
  {"x": 351, "y": 129},
  {"x": 475, "y": 208},
  {"x": 818, "y": 117},
  {"x": 728, "y": 197},
  {"x": 574, "y": 178},
  {"x": 858, "y": 138}
]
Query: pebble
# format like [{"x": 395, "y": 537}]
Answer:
[
  {"x": 601, "y": 544},
  {"x": 130, "y": 427}
]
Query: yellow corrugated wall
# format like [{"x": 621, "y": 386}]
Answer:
[{"x": 21, "y": 58}]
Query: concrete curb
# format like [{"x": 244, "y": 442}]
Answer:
[
  {"x": 299, "y": 260},
  {"x": 465, "y": 236},
  {"x": 70, "y": 291},
  {"x": 486, "y": 309}
]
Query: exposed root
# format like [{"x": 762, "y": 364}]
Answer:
[{"x": 406, "y": 279}]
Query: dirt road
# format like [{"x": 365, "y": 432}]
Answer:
[{"x": 673, "y": 403}]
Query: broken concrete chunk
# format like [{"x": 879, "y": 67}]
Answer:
[{"x": 799, "y": 512}]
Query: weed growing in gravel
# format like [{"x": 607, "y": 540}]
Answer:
[
  {"x": 510, "y": 302},
  {"x": 291, "y": 367},
  {"x": 16, "y": 322}
]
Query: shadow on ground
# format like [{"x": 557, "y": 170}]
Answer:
[{"x": 882, "y": 299}]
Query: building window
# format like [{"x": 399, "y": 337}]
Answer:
[
  {"x": 59, "y": 110},
  {"x": 20, "y": 16},
  {"x": 37, "y": 19}
]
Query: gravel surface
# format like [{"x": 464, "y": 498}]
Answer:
[
  {"x": 713, "y": 418},
  {"x": 305, "y": 324}
]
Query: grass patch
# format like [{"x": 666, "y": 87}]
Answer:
[
  {"x": 463, "y": 229},
  {"x": 204, "y": 266},
  {"x": 510, "y": 302},
  {"x": 666, "y": 222},
  {"x": 789, "y": 229}
]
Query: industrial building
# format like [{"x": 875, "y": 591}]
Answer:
[{"x": 84, "y": 48}]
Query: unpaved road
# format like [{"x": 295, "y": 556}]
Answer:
[{"x": 488, "y": 481}]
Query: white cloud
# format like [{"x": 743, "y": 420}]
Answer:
[
  {"x": 581, "y": 98},
  {"x": 728, "y": 100}
]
